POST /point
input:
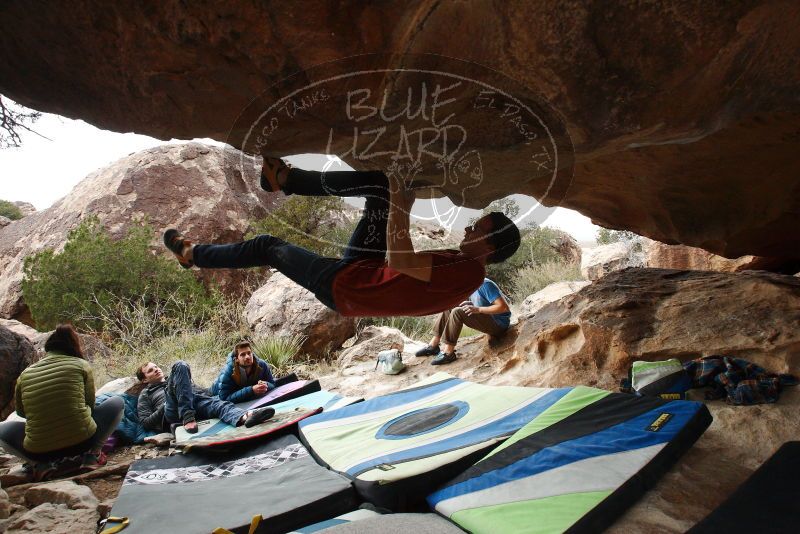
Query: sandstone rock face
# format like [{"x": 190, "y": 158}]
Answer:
[
  {"x": 613, "y": 257},
  {"x": 197, "y": 188},
  {"x": 66, "y": 492},
  {"x": 551, "y": 293},
  {"x": 4, "y": 221},
  {"x": 282, "y": 308},
  {"x": 661, "y": 256},
  {"x": 592, "y": 336},
  {"x": 666, "y": 108},
  {"x": 16, "y": 353},
  {"x": 55, "y": 519}
]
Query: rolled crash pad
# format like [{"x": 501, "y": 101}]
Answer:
[
  {"x": 213, "y": 433},
  {"x": 398, "y": 447},
  {"x": 200, "y": 492},
  {"x": 288, "y": 391},
  {"x": 576, "y": 466}
]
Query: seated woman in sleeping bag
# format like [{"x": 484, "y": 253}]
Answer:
[{"x": 56, "y": 396}]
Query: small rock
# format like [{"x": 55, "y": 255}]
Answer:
[
  {"x": 5, "y": 458},
  {"x": 14, "y": 477},
  {"x": 104, "y": 508},
  {"x": 55, "y": 519},
  {"x": 160, "y": 440},
  {"x": 67, "y": 492}
]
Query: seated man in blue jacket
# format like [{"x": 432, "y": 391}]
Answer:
[{"x": 245, "y": 377}]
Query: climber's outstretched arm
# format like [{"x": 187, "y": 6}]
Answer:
[{"x": 399, "y": 248}]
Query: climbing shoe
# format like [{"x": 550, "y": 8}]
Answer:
[
  {"x": 269, "y": 174},
  {"x": 443, "y": 358},
  {"x": 427, "y": 350},
  {"x": 259, "y": 416},
  {"x": 176, "y": 243}
]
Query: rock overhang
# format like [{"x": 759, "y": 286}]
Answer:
[{"x": 683, "y": 122}]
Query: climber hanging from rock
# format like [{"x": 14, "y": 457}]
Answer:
[{"x": 379, "y": 274}]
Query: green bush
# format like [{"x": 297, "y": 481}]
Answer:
[
  {"x": 94, "y": 272},
  {"x": 10, "y": 210},
  {"x": 306, "y": 222},
  {"x": 535, "y": 249},
  {"x": 531, "y": 279}
]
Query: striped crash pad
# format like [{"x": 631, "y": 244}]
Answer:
[
  {"x": 579, "y": 464},
  {"x": 191, "y": 493},
  {"x": 387, "y": 524},
  {"x": 398, "y": 447}
]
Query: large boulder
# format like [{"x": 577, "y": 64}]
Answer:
[
  {"x": 590, "y": 337},
  {"x": 282, "y": 308},
  {"x": 4, "y": 221},
  {"x": 198, "y": 188},
  {"x": 605, "y": 259},
  {"x": 93, "y": 348},
  {"x": 548, "y": 294},
  {"x": 656, "y": 314},
  {"x": 673, "y": 113},
  {"x": 16, "y": 353}
]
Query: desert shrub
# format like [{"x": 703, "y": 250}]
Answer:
[
  {"x": 136, "y": 333},
  {"x": 308, "y": 222},
  {"x": 606, "y": 236},
  {"x": 535, "y": 249},
  {"x": 532, "y": 278},
  {"x": 10, "y": 210},
  {"x": 94, "y": 271},
  {"x": 282, "y": 353}
]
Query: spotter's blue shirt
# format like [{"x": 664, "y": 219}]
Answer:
[{"x": 485, "y": 296}]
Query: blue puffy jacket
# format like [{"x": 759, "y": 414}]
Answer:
[{"x": 231, "y": 386}]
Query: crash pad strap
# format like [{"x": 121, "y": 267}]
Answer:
[
  {"x": 122, "y": 522},
  {"x": 253, "y": 526}
]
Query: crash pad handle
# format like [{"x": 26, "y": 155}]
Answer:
[
  {"x": 253, "y": 526},
  {"x": 123, "y": 522}
]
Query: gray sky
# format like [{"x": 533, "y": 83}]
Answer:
[{"x": 42, "y": 171}]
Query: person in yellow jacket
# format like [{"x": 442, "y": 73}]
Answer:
[{"x": 56, "y": 396}]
